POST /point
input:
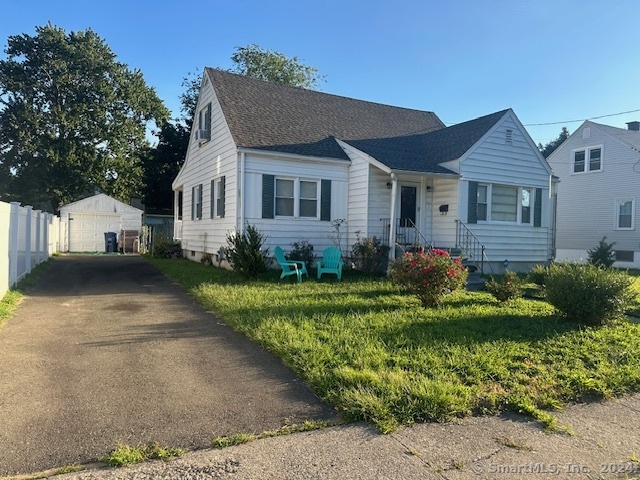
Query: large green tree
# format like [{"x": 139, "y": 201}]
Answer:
[
  {"x": 550, "y": 147},
  {"x": 254, "y": 61},
  {"x": 73, "y": 119}
]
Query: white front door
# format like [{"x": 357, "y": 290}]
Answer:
[{"x": 86, "y": 230}]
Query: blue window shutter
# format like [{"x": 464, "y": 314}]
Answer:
[
  {"x": 537, "y": 208},
  {"x": 223, "y": 182},
  {"x": 207, "y": 121},
  {"x": 268, "y": 196},
  {"x": 472, "y": 207},
  {"x": 193, "y": 203},
  {"x": 212, "y": 212},
  {"x": 325, "y": 200}
]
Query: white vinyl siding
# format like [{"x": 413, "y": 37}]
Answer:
[
  {"x": 514, "y": 169},
  {"x": 204, "y": 163},
  {"x": 284, "y": 230}
]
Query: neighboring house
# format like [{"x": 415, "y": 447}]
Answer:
[
  {"x": 292, "y": 161},
  {"x": 599, "y": 171},
  {"x": 84, "y": 223}
]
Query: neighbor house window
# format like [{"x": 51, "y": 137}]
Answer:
[
  {"x": 504, "y": 203},
  {"x": 587, "y": 160},
  {"x": 625, "y": 212}
]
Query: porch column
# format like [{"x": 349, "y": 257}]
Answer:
[{"x": 392, "y": 225}]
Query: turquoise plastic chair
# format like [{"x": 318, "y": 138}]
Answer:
[
  {"x": 290, "y": 267},
  {"x": 331, "y": 262}
]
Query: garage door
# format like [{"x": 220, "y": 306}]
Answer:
[{"x": 86, "y": 231}]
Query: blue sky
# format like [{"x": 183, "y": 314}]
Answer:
[{"x": 549, "y": 60}]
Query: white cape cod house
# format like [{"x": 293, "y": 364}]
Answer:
[{"x": 291, "y": 161}]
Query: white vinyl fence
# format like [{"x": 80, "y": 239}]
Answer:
[{"x": 27, "y": 237}]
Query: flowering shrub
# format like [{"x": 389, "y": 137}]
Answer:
[{"x": 429, "y": 275}]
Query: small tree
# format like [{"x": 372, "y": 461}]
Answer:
[
  {"x": 509, "y": 288},
  {"x": 302, "y": 251},
  {"x": 368, "y": 253},
  {"x": 245, "y": 253},
  {"x": 602, "y": 255}
]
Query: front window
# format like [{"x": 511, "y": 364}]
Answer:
[
  {"x": 624, "y": 214},
  {"x": 482, "y": 202},
  {"x": 284, "y": 198},
  {"x": 525, "y": 205},
  {"x": 297, "y": 198},
  {"x": 308, "y": 199},
  {"x": 504, "y": 203}
]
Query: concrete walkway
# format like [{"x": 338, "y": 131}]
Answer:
[
  {"x": 108, "y": 350},
  {"x": 605, "y": 444}
]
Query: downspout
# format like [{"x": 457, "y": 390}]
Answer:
[
  {"x": 241, "y": 191},
  {"x": 392, "y": 226}
]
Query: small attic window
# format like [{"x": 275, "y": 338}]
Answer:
[
  {"x": 586, "y": 133},
  {"x": 508, "y": 139}
]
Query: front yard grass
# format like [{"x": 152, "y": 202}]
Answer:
[{"x": 378, "y": 355}]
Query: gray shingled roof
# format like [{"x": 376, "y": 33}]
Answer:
[
  {"x": 269, "y": 116},
  {"x": 630, "y": 137},
  {"x": 423, "y": 152}
]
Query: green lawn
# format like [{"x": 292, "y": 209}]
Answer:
[{"x": 378, "y": 355}]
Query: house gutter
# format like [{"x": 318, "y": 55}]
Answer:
[
  {"x": 428, "y": 174},
  {"x": 392, "y": 216}
]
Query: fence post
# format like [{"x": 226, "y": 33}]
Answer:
[
  {"x": 27, "y": 240},
  {"x": 13, "y": 243},
  {"x": 45, "y": 235},
  {"x": 38, "y": 235}
]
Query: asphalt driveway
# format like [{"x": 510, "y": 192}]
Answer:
[{"x": 106, "y": 349}]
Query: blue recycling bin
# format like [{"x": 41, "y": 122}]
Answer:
[{"x": 110, "y": 242}]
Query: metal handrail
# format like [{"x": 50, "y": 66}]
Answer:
[
  {"x": 471, "y": 246},
  {"x": 410, "y": 232}
]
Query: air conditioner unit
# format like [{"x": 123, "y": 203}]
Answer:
[{"x": 202, "y": 135}]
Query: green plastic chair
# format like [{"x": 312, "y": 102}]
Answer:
[
  {"x": 290, "y": 267},
  {"x": 331, "y": 262}
]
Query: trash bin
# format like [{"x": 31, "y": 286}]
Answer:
[{"x": 110, "y": 242}]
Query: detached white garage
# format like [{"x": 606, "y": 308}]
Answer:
[{"x": 84, "y": 223}]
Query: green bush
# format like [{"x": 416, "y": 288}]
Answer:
[
  {"x": 245, "y": 252},
  {"x": 368, "y": 254},
  {"x": 165, "y": 248},
  {"x": 588, "y": 294},
  {"x": 509, "y": 288},
  {"x": 429, "y": 275},
  {"x": 602, "y": 255},
  {"x": 303, "y": 251},
  {"x": 538, "y": 275}
]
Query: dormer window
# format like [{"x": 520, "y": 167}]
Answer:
[{"x": 203, "y": 133}]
